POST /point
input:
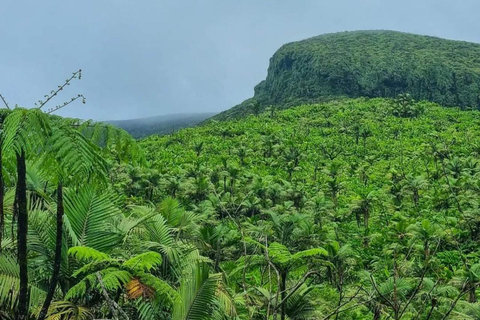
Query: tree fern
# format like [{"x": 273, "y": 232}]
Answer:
[
  {"x": 24, "y": 129},
  {"x": 131, "y": 275},
  {"x": 69, "y": 155},
  {"x": 280, "y": 254},
  {"x": 113, "y": 139}
]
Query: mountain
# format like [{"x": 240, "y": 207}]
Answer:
[
  {"x": 369, "y": 64},
  {"x": 143, "y": 127},
  {"x": 351, "y": 209}
]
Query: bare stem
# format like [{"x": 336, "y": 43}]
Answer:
[
  {"x": 53, "y": 93},
  {"x": 4, "y": 101},
  {"x": 66, "y": 103}
]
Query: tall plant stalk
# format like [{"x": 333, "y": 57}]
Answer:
[
  {"x": 22, "y": 230},
  {"x": 58, "y": 254}
]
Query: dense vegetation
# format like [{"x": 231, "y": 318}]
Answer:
[
  {"x": 352, "y": 209},
  {"x": 358, "y": 209},
  {"x": 369, "y": 64},
  {"x": 140, "y": 128}
]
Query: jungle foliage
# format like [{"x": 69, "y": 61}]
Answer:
[{"x": 351, "y": 209}]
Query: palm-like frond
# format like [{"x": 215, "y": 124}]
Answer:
[
  {"x": 89, "y": 214},
  {"x": 10, "y": 284},
  {"x": 280, "y": 254},
  {"x": 197, "y": 295},
  {"x": 301, "y": 305},
  {"x": 400, "y": 286},
  {"x": 60, "y": 310}
]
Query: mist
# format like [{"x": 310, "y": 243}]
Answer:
[{"x": 149, "y": 58}]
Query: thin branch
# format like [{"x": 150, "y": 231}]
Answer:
[
  {"x": 417, "y": 289},
  {"x": 114, "y": 307},
  {"x": 338, "y": 309},
  {"x": 244, "y": 285},
  {"x": 271, "y": 265},
  {"x": 422, "y": 301},
  {"x": 66, "y": 103},
  {"x": 454, "y": 303},
  {"x": 380, "y": 294},
  {"x": 297, "y": 286},
  {"x": 5, "y": 102},
  {"x": 53, "y": 93}
]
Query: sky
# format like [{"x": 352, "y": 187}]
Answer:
[{"x": 152, "y": 57}]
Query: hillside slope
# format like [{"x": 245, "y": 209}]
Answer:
[
  {"x": 393, "y": 199},
  {"x": 143, "y": 127},
  {"x": 369, "y": 64}
]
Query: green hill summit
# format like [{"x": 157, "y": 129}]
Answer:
[{"x": 369, "y": 64}]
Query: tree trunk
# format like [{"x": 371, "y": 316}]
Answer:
[
  {"x": 366, "y": 217},
  {"x": 2, "y": 190},
  {"x": 58, "y": 254},
  {"x": 283, "y": 292},
  {"x": 22, "y": 230},
  {"x": 377, "y": 314},
  {"x": 416, "y": 197},
  {"x": 472, "y": 297},
  {"x": 218, "y": 253}
]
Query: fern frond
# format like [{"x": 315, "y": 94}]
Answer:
[
  {"x": 25, "y": 129},
  {"x": 279, "y": 253},
  {"x": 95, "y": 266},
  {"x": 70, "y": 154},
  {"x": 86, "y": 254},
  {"x": 80, "y": 289},
  {"x": 115, "y": 279},
  {"x": 315, "y": 252},
  {"x": 144, "y": 262},
  {"x": 164, "y": 293}
]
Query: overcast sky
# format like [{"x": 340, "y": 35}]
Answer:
[{"x": 152, "y": 57}]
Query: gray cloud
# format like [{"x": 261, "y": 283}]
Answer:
[{"x": 145, "y": 58}]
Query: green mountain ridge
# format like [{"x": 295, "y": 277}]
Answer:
[
  {"x": 165, "y": 124},
  {"x": 368, "y": 64}
]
